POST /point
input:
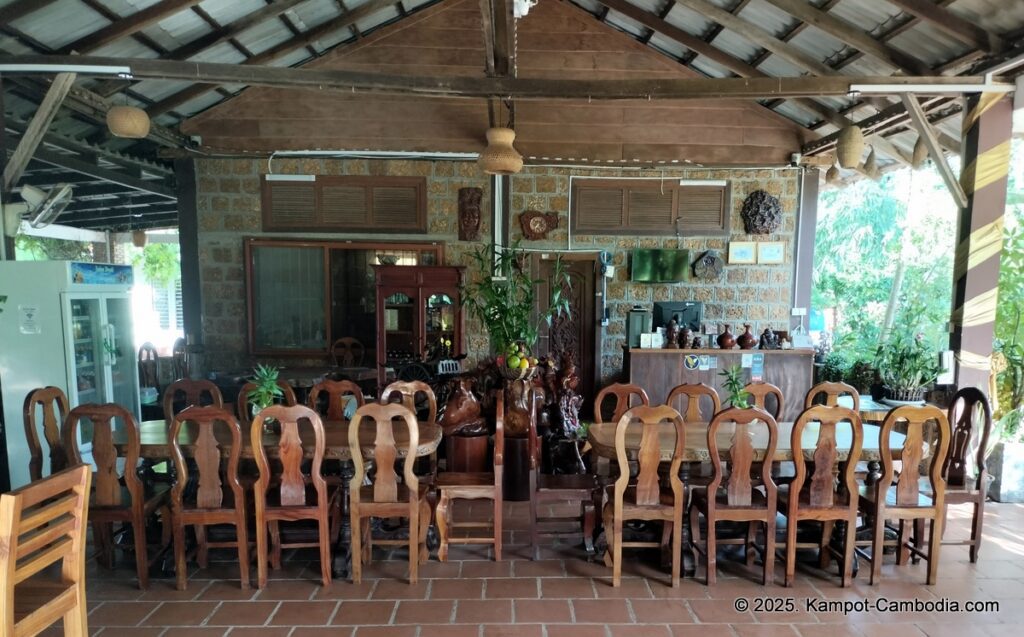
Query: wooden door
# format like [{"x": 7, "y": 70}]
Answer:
[{"x": 578, "y": 332}]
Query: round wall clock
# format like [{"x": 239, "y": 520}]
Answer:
[{"x": 536, "y": 225}]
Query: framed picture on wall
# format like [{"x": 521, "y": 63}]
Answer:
[
  {"x": 742, "y": 252},
  {"x": 771, "y": 252}
]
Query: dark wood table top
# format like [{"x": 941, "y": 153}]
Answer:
[
  {"x": 602, "y": 439},
  {"x": 155, "y": 445}
]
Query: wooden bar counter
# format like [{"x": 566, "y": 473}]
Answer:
[{"x": 659, "y": 370}]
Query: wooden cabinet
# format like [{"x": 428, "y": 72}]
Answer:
[
  {"x": 659, "y": 370},
  {"x": 419, "y": 315}
]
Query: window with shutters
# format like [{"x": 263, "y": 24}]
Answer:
[
  {"x": 649, "y": 207},
  {"x": 344, "y": 203}
]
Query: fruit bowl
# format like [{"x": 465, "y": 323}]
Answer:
[{"x": 517, "y": 374}]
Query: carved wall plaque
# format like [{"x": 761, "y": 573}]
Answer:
[{"x": 536, "y": 225}]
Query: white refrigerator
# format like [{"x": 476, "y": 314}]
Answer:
[{"x": 66, "y": 324}]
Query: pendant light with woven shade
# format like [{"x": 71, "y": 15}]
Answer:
[
  {"x": 920, "y": 153},
  {"x": 871, "y": 165},
  {"x": 500, "y": 157},
  {"x": 832, "y": 175},
  {"x": 849, "y": 146},
  {"x": 139, "y": 238},
  {"x": 128, "y": 121}
]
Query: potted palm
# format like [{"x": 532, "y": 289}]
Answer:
[
  {"x": 907, "y": 366},
  {"x": 734, "y": 386},
  {"x": 266, "y": 391}
]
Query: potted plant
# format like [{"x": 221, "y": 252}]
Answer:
[
  {"x": 734, "y": 386},
  {"x": 1006, "y": 457},
  {"x": 266, "y": 391},
  {"x": 907, "y": 365}
]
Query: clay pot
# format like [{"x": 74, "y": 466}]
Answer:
[
  {"x": 746, "y": 339},
  {"x": 726, "y": 340}
]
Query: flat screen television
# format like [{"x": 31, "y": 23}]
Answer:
[
  {"x": 687, "y": 314},
  {"x": 650, "y": 265}
]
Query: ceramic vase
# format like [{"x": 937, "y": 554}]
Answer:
[
  {"x": 726, "y": 340},
  {"x": 747, "y": 340}
]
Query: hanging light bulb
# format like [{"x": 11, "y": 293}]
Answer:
[
  {"x": 849, "y": 147},
  {"x": 128, "y": 121},
  {"x": 500, "y": 157}
]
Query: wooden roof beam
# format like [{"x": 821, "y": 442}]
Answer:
[
  {"x": 36, "y": 129},
  {"x": 128, "y": 25},
  {"x": 931, "y": 142},
  {"x": 91, "y": 170},
  {"x": 949, "y": 22},
  {"x": 712, "y": 33},
  {"x": 21, "y": 8},
  {"x": 284, "y": 48},
  {"x": 852, "y": 36}
]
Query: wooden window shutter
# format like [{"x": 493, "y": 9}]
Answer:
[
  {"x": 651, "y": 209},
  {"x": 346, "y": 204},
  {"x": 598, "y": 209},
  {"x": 703, "y": 210}
]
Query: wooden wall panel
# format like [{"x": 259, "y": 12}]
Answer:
[{"x": 556, "y": 40}]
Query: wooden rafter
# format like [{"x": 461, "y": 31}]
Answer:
[
  {"x": 931, "y": 142},
  {"x": 284, "y": 48},
  {"x": 21, "y": 8},
  {"x": 113, "y": 176},
  {"x": 520, "y": 88},
  {"x": 128, "y": 25},
  {"x": 713, "y": 32},
  {"x": 36, "y": 129},
  {"x": 960, "y": 28}
]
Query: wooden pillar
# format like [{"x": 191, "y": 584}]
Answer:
[
  {"x": 803, "y": 252},
  {"x": 987, "y": 128},
  {"x": 188, "y": 239}
]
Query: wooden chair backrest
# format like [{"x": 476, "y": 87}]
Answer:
[
  {"x": 292, "y": 481},
  {"x": 207, "y": 453},
  {"x": 741, "y": 456},
  {"x": 969, "y": 412},
  {"x": 832, "y": 392},
  {"x": 335, "y": 390},
  {"x": 42, "y": 524},
  {"x": 385, "y": 451},
  {"x": 760, "y": 391},
  {"x": 192, "y": 393},
  {"x": 408, "y": 390},
  {"x": 180, "y": 365},
  {"x": 107, "y": 481},
  {"x": 914, "y": 444},
  {"x": 147, "y": 366},
  {"x": 53, "y": 405},
  {"x": 692, "y": 393},
  {"x": 822, "y": 492},
  {"x": 243, "y": 407},
  {"x": 648, "y": 487},
  {"x": 348, "y": 352},
  {"x": 623, "y": 394}
]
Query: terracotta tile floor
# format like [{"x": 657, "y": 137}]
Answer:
[{"x": 562, "y": 595}]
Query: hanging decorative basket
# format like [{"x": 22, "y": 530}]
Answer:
[
  {"x": 128, "y": 121},
  {"x": 500, "y": 157},
  {"x": 871, "y": 165},
  {"x": 139, "y": 238},
  {"x": 849, "y": 147},
  {"x": 762, "y": 213},
  {"x": 920, "y": 153},
  {"x": 832, "y": 175}
]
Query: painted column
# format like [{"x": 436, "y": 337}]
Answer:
[{"x": 987, "y": 128}]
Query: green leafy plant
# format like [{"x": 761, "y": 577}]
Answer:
[
  {"x": 160, "y": 263},
  {"x": 267, "y": 389},
  {"x": 734, "y": 385},
  {"x": 832, "y": 368},
  {"x": 906, "y": 362},
  {"x": 861, "y": 375},
  {"x": 501, "y": 295}
]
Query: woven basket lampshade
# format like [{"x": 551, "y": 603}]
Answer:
[
  {"x": 128, "y": 121},
  {"x": 871, "y": 165},
  {"x": 849, "y": 147},
  {"x": 831, "y": 175},
  {"x": 500, "y": 157},
  {"x": 139, "y": 238},
  {"x": 920, "y": 153}
]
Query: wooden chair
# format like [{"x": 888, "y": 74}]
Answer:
[
  {"x": 218, "y": 497},
  {"x": 760, "y": 391},
  {"x": 903, "y": 499},
  {"x": 819, "y": 497},
  {"x": 42, "y": 524},
  {"x": 53, "y": 405},
  {"x": 179, "y": 364},
  {"x": 242, "y": 405},
  {"x": 192, "y": 393},
  {"x": 740, "y": 499},
  {"x": 117, "y": 494},
  {"x": 561, "y": 488},
  {"x": 692, "y": 394},
  {"x": 295, "y": 495},
  {"x": 334, "y": 392},
  {"x": 969, "y": 413},
  {"x": 832, "y": 391},
  {"x": 473, "y": 486},
  {"x": 409, "y": 391},
  {"x": 385, "y": 496},
  {"x": 347, "y": 352},
  {"x": 623, "y": 394},
  {"x": 647, "y": 497},
  {"x": 147, "y": 366}
]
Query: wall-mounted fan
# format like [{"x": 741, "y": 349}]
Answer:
[{"x": 41, "y": 208}]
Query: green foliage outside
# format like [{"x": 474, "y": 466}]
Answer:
[
  {"x": 29, "y": 248},
  {"x": 160, "y": 263},
  {"x": 1009, "y": 343}
]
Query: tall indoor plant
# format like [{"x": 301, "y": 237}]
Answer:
[{"x": 907, "y": 365}]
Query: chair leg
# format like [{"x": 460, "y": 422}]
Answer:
[
  {"x": 141, "y": 554},
  {"x": 694, "y": 516},
  {"x": 666, "y": 538},
  {"x": 75, "y": 622},
  {"x": 242, "y": 536},
  {"x": 441, "y": 515},
  {"x": 589, "y": 524},
  {"x": 934, "y": 544},
  {"x": 677, "y": 545},
  {"x": 325, "y": 548},
  {"x": 748, "y": 550},
  {"x": 366, "y": 531},
  {"x": 712, "y": 550},
  {"x": 877, "y": 540},
  {"x": 261, "y": 552},
  {"x": 976, "y": 527},
  {"x": 849, "y": 544},
  {"x": 609, "y": 536},
  {"x": 425, "y": 511},
  {"x": 903, "y": 548},
  {"x": 103, "y": 533},
  {"x": 617, "y": 551},
  {"x": 534, "y": 533},
  {"x": 791, "y": 523},
  {"x": 414, "y": 543},
  {"x": 356, "y": 546},
  {"x": 824, "y": 557},
  {"x": 275, "y": 544},
  {"x": 498, "y": 530},
  {"x": 180, "y": 567},
  {"x": 203, "y": 547},
  {"x": 769, "y": 550}
]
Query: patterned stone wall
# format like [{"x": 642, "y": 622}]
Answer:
[{"x": 229, "y": 209}]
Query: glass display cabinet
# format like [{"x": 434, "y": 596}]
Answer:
[{"x": 419, "y": 316}]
